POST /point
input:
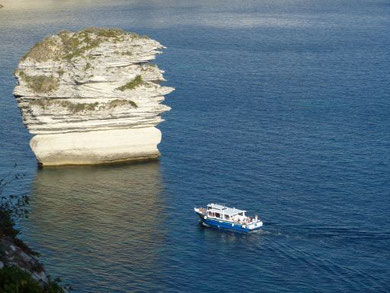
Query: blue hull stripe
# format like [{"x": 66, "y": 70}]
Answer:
[{"x": 225, "y": 225}]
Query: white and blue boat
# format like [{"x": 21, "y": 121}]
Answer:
[{"x": 222, "y": 217}]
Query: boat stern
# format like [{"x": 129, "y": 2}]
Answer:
[{"x": 255, "y": 226}]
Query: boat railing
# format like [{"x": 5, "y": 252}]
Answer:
[{"x": 248, "y": 220}]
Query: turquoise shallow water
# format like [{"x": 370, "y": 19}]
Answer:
[{"x": 281, "y": 107}]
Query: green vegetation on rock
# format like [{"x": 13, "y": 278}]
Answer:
[
  {"x": 71, "y": 107},
  {"x": 68, "y": 45},
  {"x": 137, "y": 81},
  {"x": 80, "y": 107},
  {"x": 127, "y": 53},
  {"x": 48, "y": 49},
  {"x": 106, "y": 33},
  {"x": 118, "y": 103},
  {"x": 60, "y": 72},
  {"x": 40, "y": 83},
  {"x": 76, "y": 44}
]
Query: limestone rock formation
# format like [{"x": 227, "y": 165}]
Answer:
[{"x": 92, "y": 97}]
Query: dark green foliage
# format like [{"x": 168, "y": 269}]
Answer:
[
  {"x": 23, "y": 246},
  {"x": 137, "y": 81},
  {"x": 15, "y": 280},
  {"x": 7, "y": 224}
]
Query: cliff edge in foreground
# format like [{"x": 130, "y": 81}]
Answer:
[{"x": 91, "y": 97}]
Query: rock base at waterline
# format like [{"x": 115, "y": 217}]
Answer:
[{"x": 96, "y": 147}]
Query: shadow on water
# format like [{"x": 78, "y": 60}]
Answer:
[{"x": 108, "y": 217}]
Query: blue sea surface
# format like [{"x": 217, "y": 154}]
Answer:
[{"x": 282, "y": 107}]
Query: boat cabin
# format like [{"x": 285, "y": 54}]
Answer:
[{"x": 224, "y": 213}]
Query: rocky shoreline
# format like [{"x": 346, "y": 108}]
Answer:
[
  {"x": 20, "y": 268},
  {"x": 15, "y": 254}
]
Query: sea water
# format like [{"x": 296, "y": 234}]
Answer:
[{"x": 282, "y": 107}]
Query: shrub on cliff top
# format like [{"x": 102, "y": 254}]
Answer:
[
  {"x": 107, "y": 33},
  {"x": 76, "y": 44},
  {"x": 68, "y": 45}
]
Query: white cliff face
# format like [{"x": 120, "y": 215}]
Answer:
[{"x": 91, "y": 97}]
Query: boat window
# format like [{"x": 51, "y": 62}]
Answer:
[
  {"x": 240, "y": 214},
  {"x": 217, "y": 215},
  {"x": 210, "y": 213},
  {"x": 227, "y": 217}
]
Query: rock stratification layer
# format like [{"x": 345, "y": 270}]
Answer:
[{"x": 92, "y": 97}]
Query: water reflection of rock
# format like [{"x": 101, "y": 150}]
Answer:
[{"x": 92, "y": 220}]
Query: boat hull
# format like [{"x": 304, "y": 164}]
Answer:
[{"x": 213, "y": 223}]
